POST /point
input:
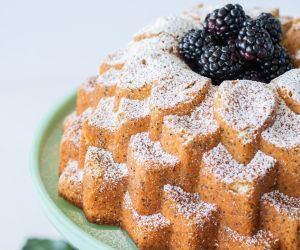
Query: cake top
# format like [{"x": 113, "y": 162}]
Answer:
[
  {"x": 261, "y": 237},
  {"x": 146, "y": 69},
  {"x": 178, "y": 88},
  {"x": 150, "y": 153},
  {"x": 173, "y": 25},
  {"x": 199, "y": 123},
  {"x": 160, "y": 43},
  {"x": 190, "y": 205},
  {"x": 291, "y": 82},
  {"x": 130, "y": 109},
  {"x": 106, "y": 167},
  {"x": 104, "y": 115},
  {"x": 225, "y": 168},
  {"x": 89, "y": 84},
  {"x": 285, "y": 132},
  {"x": 72, "y": 172},
  {"x": 109, "y": 78},
  {"x": 73, "y": 127},
  {"x": 282, "y": 202},
  {"x": 245, "y": 106},
  {"x": 116, "y": 58},
  {"x": 152, "y": 222}
]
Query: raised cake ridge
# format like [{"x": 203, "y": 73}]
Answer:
[
  {"x": 245, "y": 105},
  {"x": 290, "y": 80},
  {"x": 282, "y": 202},
  {"x": 173, "y": 25},
  {"x": 200, "y": 122},
  {"x": 147, "y": 150},
  {"x": 189, "y": 204},
  {"x": 285, "y": 132},
  {"x": 104, "y": 115},
  {"x": 229, "y": 171},
  {"x": 113, "y": 171}
]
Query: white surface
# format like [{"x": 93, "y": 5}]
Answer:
[{"x": 46, "y": 49}]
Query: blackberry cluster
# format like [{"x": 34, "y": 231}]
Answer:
[
  {"x": 194, "y": 43},
  {"x": 253, "y": 74},
  {"x": 254, "y": 42},
  {"x": 220, "y": 62},
  {"x": 225, "y": 22},
  {"x": 277, "y": 65},
  {"x": 272, "y": 25},
  {"x": 231, "y": 45}
]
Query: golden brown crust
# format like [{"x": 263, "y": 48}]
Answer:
[
  {"x": 231, "y": 240},
  {"x": 179, "y": 163},
  {"x": 281, "y": 215},
  {"x": 70, "y": 141},
  {"x": 70, "y": 184},
  {"x": 224, "y": 182},
  {"x": 148, "y": 231},
  {"x": 194, "y": 222},
  {"x": 288, "y": 167},
  {"x": 104, "y": 185}
]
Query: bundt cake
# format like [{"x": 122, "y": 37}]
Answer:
[{"x": 189, "y": 138}]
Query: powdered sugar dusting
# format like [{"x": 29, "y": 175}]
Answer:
[
  {"x": 73, "y": 129},
  {"x": 189, "y": 205},
  {"x": 285, "y": 132},
  {"x": 115, "y": 58},
  {"x": 133, "y": 109},
  {"x": 245, "y": 106},
  {"x": 72, "y": 173},
  {"x": 69, "y": 119},
  {"x": 291, "y": 82},
  {"x": 147, "y": 68},
  {"x": 181, "y": 87},
  {"x": 152, "y": 222},
  {"x": 200, "y": 122},
  {"x": 156, "y": 44},
  {"x": 112, "y": 172},
  {"x": 221, "y": 164},
  {"x": 173, "y": 25},
  {"x": 199, "y": 12},
  {"x": 283, "y": 203},
  {"x": 90, "y": 84},
  {"x": 150, "y": 153},
  {"x": 262, "y": 237},
  {"x": 104, "y": 115},
  {"x": 109, "y": 78}
]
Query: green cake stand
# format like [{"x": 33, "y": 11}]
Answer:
[{"x": 66, "y": 218}]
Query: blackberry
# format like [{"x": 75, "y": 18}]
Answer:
[
  {"x": 254, "y": 42},
  {"x": 251, "y": 74},
  {"x": 193, "y": 43},
  {"x": 220, "y": 62},
  {"x": 272, "y": 25},
  {"x": 225, "y": 22},
  {"x": 277, "y": 65}
]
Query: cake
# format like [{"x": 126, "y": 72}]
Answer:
[{"x": 185, "y": 154}]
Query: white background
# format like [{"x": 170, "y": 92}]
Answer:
[{"x": 47, "y": 48}]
